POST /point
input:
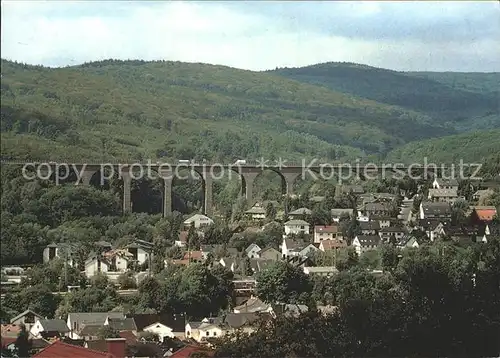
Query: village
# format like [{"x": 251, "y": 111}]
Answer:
[{"x": 300, "y": 239}]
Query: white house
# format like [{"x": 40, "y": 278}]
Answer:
[
  {"x": 322, "y": 232},
  {"x": 252, "y": 251},
  {"x": 118, "y": 259},
  {"x": 47, "y": 328},
  {"x": 137, "y": 254},
  {"x": 363, "y": 243},
  {"x": 198, "y": 220},
  {"x": 160, "y": 329},
  {"x": 338, "y": 213},
  {"x": 296, "y": 227},
  {"x": 54, "y": 251},
  {"x": 28, "y": 318},
  {"x": 77, "y": 320},
  {"x": 200, "y": 331},
  {"x": 256, "y": 213},
  {"x": 95, "y": 265},
  {"x": 440, "y": 183}
]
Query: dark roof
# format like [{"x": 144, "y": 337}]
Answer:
[
  {"x": 90, "y": 330},
  {"x": 125, "y": 324},
  {"x": 368, "y": 240},
  {"x": 431, "y": 208},
  {"x": 54, "y": 325},
  {"x": 393, "y": 229},
  {"x": 431, "y": 224},
  {"x": 24, "y": 314},
  {"x": 94, "y": 317},
  {"x": 176, "y": 322},
  {"x": 369, "y": 225}
]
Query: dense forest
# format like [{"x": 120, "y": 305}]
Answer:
[
  {"x": 462, "y": 101},
  {"x": 132, "y": 110}
]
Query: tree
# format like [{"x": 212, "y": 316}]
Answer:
[
  {"x": 282, "y": 282},
  {"x": 23, "y": 343},
  {"x": 270, "y": 212},
  {"x": 390, "y": 257},
  {"x": 127, "y": 281}
]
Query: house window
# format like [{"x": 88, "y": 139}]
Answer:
[
  {"x": 208, "y": 333},
  {"x": 52, "y": 252},
  {"x": 29, "y": 318},
  {"x": 74, "y": 326},
  {"x": 188, "y": 333},
  {"x": 302, "y": 227},
  {"x": 215, "y": 333}
]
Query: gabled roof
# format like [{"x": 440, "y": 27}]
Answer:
[
  {"x": 251, "y": 246},
  {"x": 97, "y": 318},
  {"x": 377, "y": 207},
  {"x": 294, "y": 244},
  {"x": 24, "y": 314},
  {"x": 331, "y": 229},
  {"x": 369, "y": 225},
  {"x": 431, "y": 208},
  {"x": 393, "y": 229},
  {"x": 197, "y": 217},
  {"x": 486, "y": 213},
  {"x": 296, "y": 222},
  {"x": 89, "y": 330},
  {"x": 176, "y": 322},
  {"x": 339, "y": 212},
  {"x": 368, "y": 240},
  {"x": 54, "y": 325},
  {"x": 301, "y": 211},
  {"x": 59, "y": 349},
  {"x": 122, "y": 324},
  {"x": 256, "y": 210},
  {"x": 252, "y": 305},
  {"x": 443, "y": 193},
  {"x": 332, "y": 244}
]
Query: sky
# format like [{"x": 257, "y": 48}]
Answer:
[{"x": 258, "y": 35}]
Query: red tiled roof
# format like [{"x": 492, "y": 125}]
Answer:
[
  {"x": 193, "y": 255},
  {"x": 129, "y": 336},
  {"x": 186, "y": 352},
  {"x": 331, "y": 244},
  {"x": 486, "y": 214},
  {"x": 328, "y": 229},
  {"x": 59, "y": 349}
]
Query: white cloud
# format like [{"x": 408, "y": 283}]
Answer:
[{"x": 57, "y": 33}]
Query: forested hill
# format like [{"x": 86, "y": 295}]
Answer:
[
  {"x": 464, "y": 101},
  {"x": 132, "y": 110},
  {"x": 471, "y": 147}
]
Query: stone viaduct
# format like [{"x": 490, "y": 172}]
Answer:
[{"x": 210, "y": 172}]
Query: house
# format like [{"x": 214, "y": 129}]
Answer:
[
  {"x": 328, "y": 245},
  {"x": 369, "y": 227},
  {"x": 330, "y": 232},
  {"x": 408, "y": 241},
  {"x": 252, "y": 305},
  {"x": 291, "y": 247},
  {"x": 28, "y": 318},
  {"x": 306, "y": 251},
  {"x": 321, "y": 270},
  {"x": 396, "y": 232},
  {"x": 296, "y": 227},
  {"x": 269, "y": 254},
  {"x": 434, "y": 228},
  {"x": 255, "y": 213},
  {"x": 377, "y": 209},
  {"x": 338, "y": 213},
  {"x": 54, "y": 251},
  {"x": 430, "y": 210},
  {"x": 116, "y": 348},
  {"x": 165, "y": 325},
  {"x": 77, "y": 320},
  {"x": 443, "y": 195},
  {"x": 48, "y": 328},
  {"x": 199, "y": 221},
  {"x": 441, "y": 183},
  {"x": 207, "y": 328},
  {"x": 259, "y": 265},
  {"x": 252, "y": 251},
  {"x": 118, "y": 259},
  {"x": 300, "y": 213},
  {"x": 139, "y": 255},
  {"x": 96, "y": 264},
  {"x": 121, "y": 324},
  {"x": 288, "y": 310},
  {"x": 383, "y": 221},
  {"x": 483, "y": 214},
  {"x": 363, "y": 243},
  {"x": 182, "y": 239},
  {"x": 231, "y": 263},
  {"x": 482, "y": 195}
]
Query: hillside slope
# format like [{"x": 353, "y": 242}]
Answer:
[
  {"x": 135, "y": 110},
  {"x": 456, "y": 100},
  {"x": 470, "y": 147}
]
